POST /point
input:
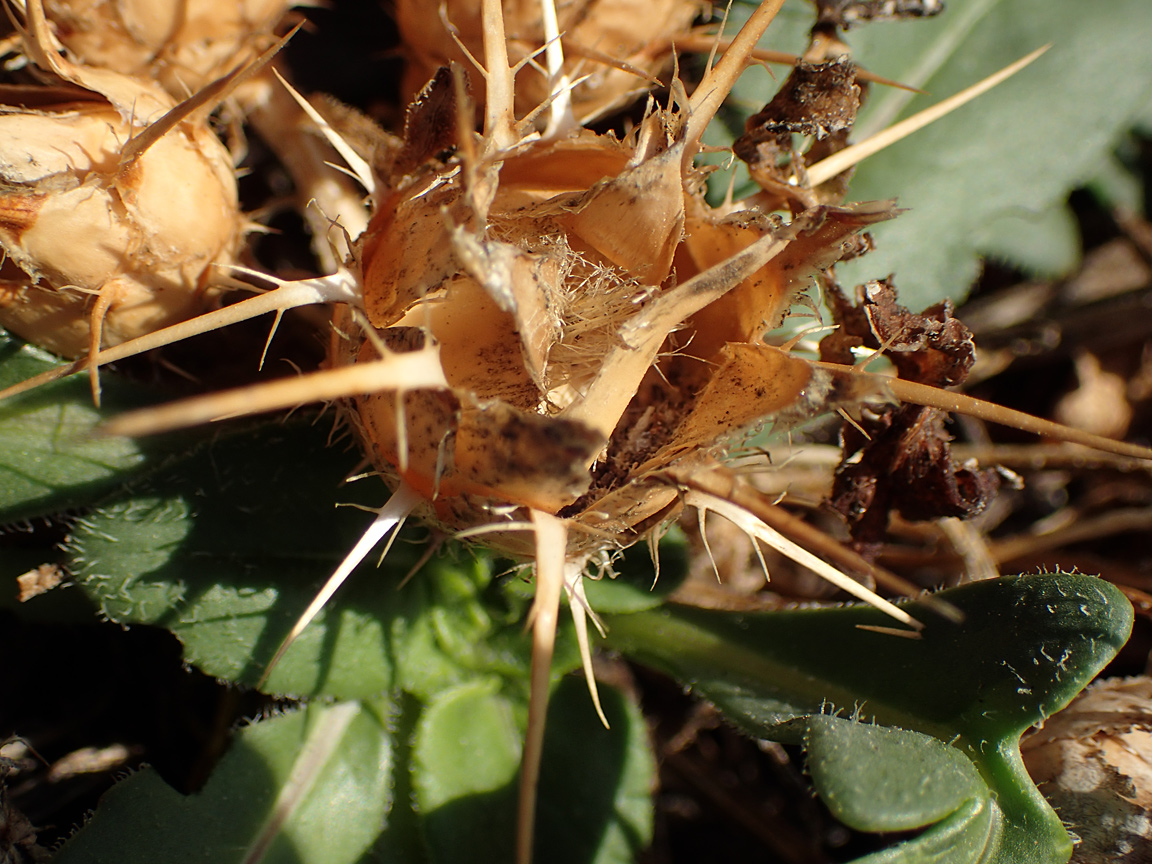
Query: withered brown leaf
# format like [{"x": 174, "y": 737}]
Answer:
[
  {"x": 898, "y": 460},
  {"x": 818, "y": 99}
]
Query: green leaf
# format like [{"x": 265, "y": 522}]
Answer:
[
  {"x": 884, "y": 780},
  {"x": 595, "y": 786},
  {"x": 1045, "y": 245},
  {"x": 327, "y": 784},
  {"x": 313, "y": 785},
  {"x": 862, "y": 773},
  {"x": 1016, "y": 152},
  {"x": 207, "y": 549},
  {"x": 1028, "y": 644},
  {"x": 50, "y": 458},
  {"x": 466, "y": 759},
  {"x": 1144, "y": 118}
]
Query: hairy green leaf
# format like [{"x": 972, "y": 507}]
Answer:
[
  {"x": 1027, "y": 645},
  {"x": 227, "y": 547},
  {"x": 878, "y": 779}
]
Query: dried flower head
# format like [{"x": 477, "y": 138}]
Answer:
[
  {"x": 608, "y": 60},
  {"x": 184, "y": 45},
  {"x": 117, "y": 205}
]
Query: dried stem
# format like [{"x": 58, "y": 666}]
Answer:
[
  {"x": 960, "y": 403},
  {"x": 1137, "y": 520}
]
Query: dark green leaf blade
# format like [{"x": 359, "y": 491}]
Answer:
[
  {"x": 50, "y": 458},
  {"x": 594, "y": 805},
  {"x": 862, "y": 772},
  {"x": 311, "y": 785},
  {"x": 207, "y": 550},
  {"x": 1027, "y": 646}
]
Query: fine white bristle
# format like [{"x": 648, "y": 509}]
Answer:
[
  {"x": 388, "y": 520},
  {"x": 758, "y": 530}
]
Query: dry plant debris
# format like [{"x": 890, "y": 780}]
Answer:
[{"x": 1094, "y": 762}]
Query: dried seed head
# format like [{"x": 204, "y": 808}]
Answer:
[
  {"x": 183, "y": 45},
  {"x": 565, "y": 282},
  {"x": 602, "y": 44},
  {"x": 597, "y": 322},
  {"x": 107, "y": 188}
]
